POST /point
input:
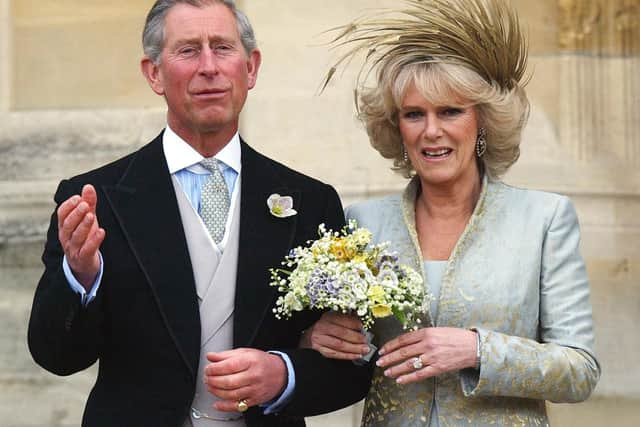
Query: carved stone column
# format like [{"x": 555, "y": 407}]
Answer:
[
  {"x": 5, "y": 43},
  {"x": 600, "y": 76}
]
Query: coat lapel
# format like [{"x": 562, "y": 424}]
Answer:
[
  {"x": 145, "y": 205},
  {"x": 264, "y": 241}
]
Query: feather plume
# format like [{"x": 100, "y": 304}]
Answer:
[{"x": 483, "y": 35}]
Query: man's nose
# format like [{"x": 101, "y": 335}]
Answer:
[{"x": 208, "y": 63}]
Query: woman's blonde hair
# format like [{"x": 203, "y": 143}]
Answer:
[
  {"x": 502, "y": 113},
  {"x": 470, "y": 52}
]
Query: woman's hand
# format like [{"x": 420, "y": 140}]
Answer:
[
  {"x": 428, "y": 352},
  {"x": 336, "y": 336}
]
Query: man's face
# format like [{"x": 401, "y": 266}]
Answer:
[{"x": 204, "y": 71}]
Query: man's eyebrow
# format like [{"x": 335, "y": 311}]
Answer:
[{"x": 197, "y": 40}]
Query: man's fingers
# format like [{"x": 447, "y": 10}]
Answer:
[
  {"x": 80, "y": 237},
  {"x": 227, "y": 354},
  {"x": 92, "y": 244},
  {"x": 89, "y": 195},
  {"x": 343, "y": 320},
  {"x": 346, "y": 335},
  {"x": 229, "y": 402},
  {"x": 333, "y": 354},
  {"x": 227, "y": 366},
  {"x": 226, "y": 405},
  {"x": 222, "y": 383},
  {"x": 66, "y": 208},
  {"x": 219, "y": 356},
  {"x": 70, "y": 224},
  {"x": 72, "y": 211},
  {"x": 326, "y": 327},
  {"x": 333, "y": 337},
  {"x": 337, "y": 345},
  {"x": 80, "y": 234},
  {"x": 253, "y": 375}
]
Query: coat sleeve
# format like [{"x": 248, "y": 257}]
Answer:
[
  {"x": 561, "y": 365},
  {"x": 324, "y": 385},
  {"x": 63, "y": 335}
]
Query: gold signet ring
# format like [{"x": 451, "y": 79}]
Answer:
[{"x": 242, "y": 405}]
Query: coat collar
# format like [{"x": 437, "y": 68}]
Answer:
[
  {"x": 145, "y": 205},
  {"x": 408, "y": 204},
  {"x": 264, "y": 241}
]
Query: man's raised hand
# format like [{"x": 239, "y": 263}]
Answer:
[{"x": 80, "y": 235}]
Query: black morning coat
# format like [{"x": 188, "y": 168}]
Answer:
[{"x": 144, "y": 326}]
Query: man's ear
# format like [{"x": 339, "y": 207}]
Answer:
[
  {"x": 151, "y": 72},
  {"x": 253, "y": 65}
]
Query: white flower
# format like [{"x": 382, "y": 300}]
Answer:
[
  {"x": 293, "y": 302},
  {"x": 281, "y": 206},
  {"x": 362, "y": 236}
]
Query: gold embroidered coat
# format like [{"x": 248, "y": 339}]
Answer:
[{"x": 515, "y": 275}]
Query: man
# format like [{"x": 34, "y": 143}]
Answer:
[{"x": 157, "y": 264}]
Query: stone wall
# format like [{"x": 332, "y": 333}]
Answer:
[{"x": 72, "y": 98}]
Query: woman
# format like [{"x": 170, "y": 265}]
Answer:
[{"x": 509, "y": 325}]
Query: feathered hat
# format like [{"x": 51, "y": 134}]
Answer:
[{"x": 483, "y": 35}]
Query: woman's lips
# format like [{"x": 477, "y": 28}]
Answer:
[{"x": 436, "y": 153}]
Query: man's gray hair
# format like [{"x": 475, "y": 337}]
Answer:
[{"x": 153, "y": 33}]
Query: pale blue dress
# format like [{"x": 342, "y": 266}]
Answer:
[
  {"x": 434, "y": 271},
  {"x": 515, "y": 276}
]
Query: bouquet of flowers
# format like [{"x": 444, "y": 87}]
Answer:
[{"x": 342, "y": 271}]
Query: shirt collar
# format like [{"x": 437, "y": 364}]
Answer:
[{"x": 180, "y": 155}]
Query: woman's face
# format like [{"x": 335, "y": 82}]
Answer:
[{"x": 440, "y": 140}]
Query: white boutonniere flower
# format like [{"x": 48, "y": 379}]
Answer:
[{"x": 281, "y": 206}]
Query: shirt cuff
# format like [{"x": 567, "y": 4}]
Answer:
[
  {"x": 85, "y": 298},
  {"x": 478, "y": 353},
  {"x": 279, "y": 403}
]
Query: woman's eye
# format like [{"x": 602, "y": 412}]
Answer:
[
  {"x": 452, "y": 111},
  {"x": 412, "y": 115}
]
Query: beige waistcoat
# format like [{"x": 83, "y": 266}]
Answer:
[{"x": 215, "y": 277}]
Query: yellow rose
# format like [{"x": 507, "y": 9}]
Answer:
[
  {"x": 376, "y": 294},
  {"x": 360, "y": 258},
  {"x": 381, "y": 310},
  {"x": 350, "y": 251},
  {"x": 337, "y": 249}
]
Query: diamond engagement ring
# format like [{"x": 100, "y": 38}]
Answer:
[
  {"x": 242, "y": 405},
  {"x": 417, "y": 363}
]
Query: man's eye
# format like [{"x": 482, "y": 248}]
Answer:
[
  {"x": 186, "y": 51},
  {"x": 222, "y": 48}
]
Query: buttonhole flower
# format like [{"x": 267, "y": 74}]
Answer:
[{"x": 281, "y": 206}]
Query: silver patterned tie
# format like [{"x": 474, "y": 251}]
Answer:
[{"x": 214, "y": 201}]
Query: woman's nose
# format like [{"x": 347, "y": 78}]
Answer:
[{"x": 433, "y": 128}]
